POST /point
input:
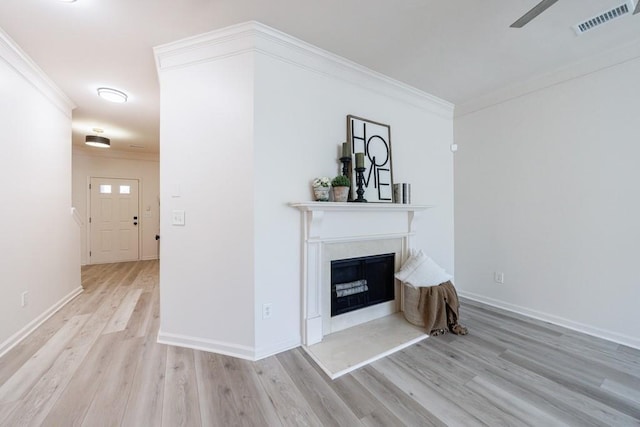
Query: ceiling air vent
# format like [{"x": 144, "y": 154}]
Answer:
[{"x": 609, "y": 15}]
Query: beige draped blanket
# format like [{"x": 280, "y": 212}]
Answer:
[{"x": 439, "y": 306}]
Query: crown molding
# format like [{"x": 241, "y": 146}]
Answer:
[
  {"x": 625, "y": 53},
  {"x": 17, "y": 59},
  {"x": 254, "y": 37}
]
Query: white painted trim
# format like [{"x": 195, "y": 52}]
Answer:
[
  {"x": 228, "y": 349},
  {"x": 196, "y": 343},
  {"x": 76, "y": 217},
  {"x": 254, "y": 37},
  {"x": 556, "y": 320},
  {"x": 601, "y": 61},
  {"x": 360, "y": 238},
  {"x": 87, "y": 223},
  {"x": 270, "y": 350},
  {"x": 283, "y": 47},
  {"x": 16, "y": 338},
  {"x": 149, "y": 258},
  {"x": 29, "y": 70},
  {"x": 357, "y": 207}
]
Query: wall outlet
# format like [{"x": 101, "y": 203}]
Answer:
[
  {"x": 498, "y": 277},
  {"x": 24, "y": 298},
  {"x": 266, "y": 311}
]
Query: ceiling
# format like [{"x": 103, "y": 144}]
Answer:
[{"x": 458, "y": 50}]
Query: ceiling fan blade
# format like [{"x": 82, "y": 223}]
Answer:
[
  {"x": 637, "y": 9},
  {"x": 537, "y": 10}
]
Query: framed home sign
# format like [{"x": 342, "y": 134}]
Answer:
[{"x": 374, "y": 140}]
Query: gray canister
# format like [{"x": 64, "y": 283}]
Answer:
[{"x": 402, "y": 193}]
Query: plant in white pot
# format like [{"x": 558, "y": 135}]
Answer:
[
  {"x": 340, "y": 186},
  {"x": 321, "y": 187}
]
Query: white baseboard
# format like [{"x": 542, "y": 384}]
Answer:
[
  {"x": 31, "y": 326},
  {"x": 228, "y": 349},
  {"x": 264, "y": 352},
  {"x": 556, "y": 320},
  {"x": 148, "y": 258}
]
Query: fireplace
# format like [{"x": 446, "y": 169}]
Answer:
[
  {"x": 359, "y": 282},
  {"x": 352, "y": 255},
  {"x": 343, "y": 231}
]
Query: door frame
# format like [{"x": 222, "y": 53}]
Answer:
[{"x": 88, "y": 213}]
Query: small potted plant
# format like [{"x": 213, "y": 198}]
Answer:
[
  {"x": 321, "y": 189},
  {"x": 340, "y": 186}
]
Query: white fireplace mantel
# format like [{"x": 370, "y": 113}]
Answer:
[
  {"x": 331, "y": 222},
  {"x": 358, "y": 207},
  {"x": 316, "y": 214}
]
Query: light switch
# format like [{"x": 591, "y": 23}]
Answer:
[{"x": 177, "y": 217}]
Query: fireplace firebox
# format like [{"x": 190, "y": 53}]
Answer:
[{"x": 361, "y": 282}]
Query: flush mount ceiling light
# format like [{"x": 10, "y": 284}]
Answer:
[
  {"x": 112, "y": 95},
  {"x": 97, "y": 141}
]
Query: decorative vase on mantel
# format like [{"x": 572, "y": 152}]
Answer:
[
  {"x": 321, "y": 187},
  {"x": 341, "y": 185},
  {"x": 340, "y": 194},
  {"x": 321, "y": 194}
]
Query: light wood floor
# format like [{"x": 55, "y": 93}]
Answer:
[{"x": 96, "y": 363}]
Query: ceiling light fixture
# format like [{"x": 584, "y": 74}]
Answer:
[
  {"x": 68, "y": 1},
  {"x": 112, "y": 95},
  {"x": 96, "y": 140}
]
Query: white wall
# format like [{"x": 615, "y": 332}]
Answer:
[
  {"x": 300, "y": 122},
  {"x": 39, "y": 248},
  {"x": 546, "y": 190},
  {"x": 251, "y": 106},
  {"x": 206, "y": 169},
  {"x": 145, "y": 168}
]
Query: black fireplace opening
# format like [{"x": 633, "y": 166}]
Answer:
[{"x": 361, "y": 282}]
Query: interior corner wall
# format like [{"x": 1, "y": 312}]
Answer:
[
  {"x": 546, "y": 191},
  {"x": 300, "y": 123},
  {"x": 40, "y": 244},
  {"x": 206, "y": 171},
  {"x": 145, "y": 170}
]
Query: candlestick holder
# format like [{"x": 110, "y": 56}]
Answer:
[
  {"x": 360, "y": 185},
  {"x": 345, "y": 165}
]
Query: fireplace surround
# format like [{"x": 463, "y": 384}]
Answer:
[{"x": 337, "y": 231}]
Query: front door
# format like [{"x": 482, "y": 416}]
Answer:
[{"x": 114, "y": 220}]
